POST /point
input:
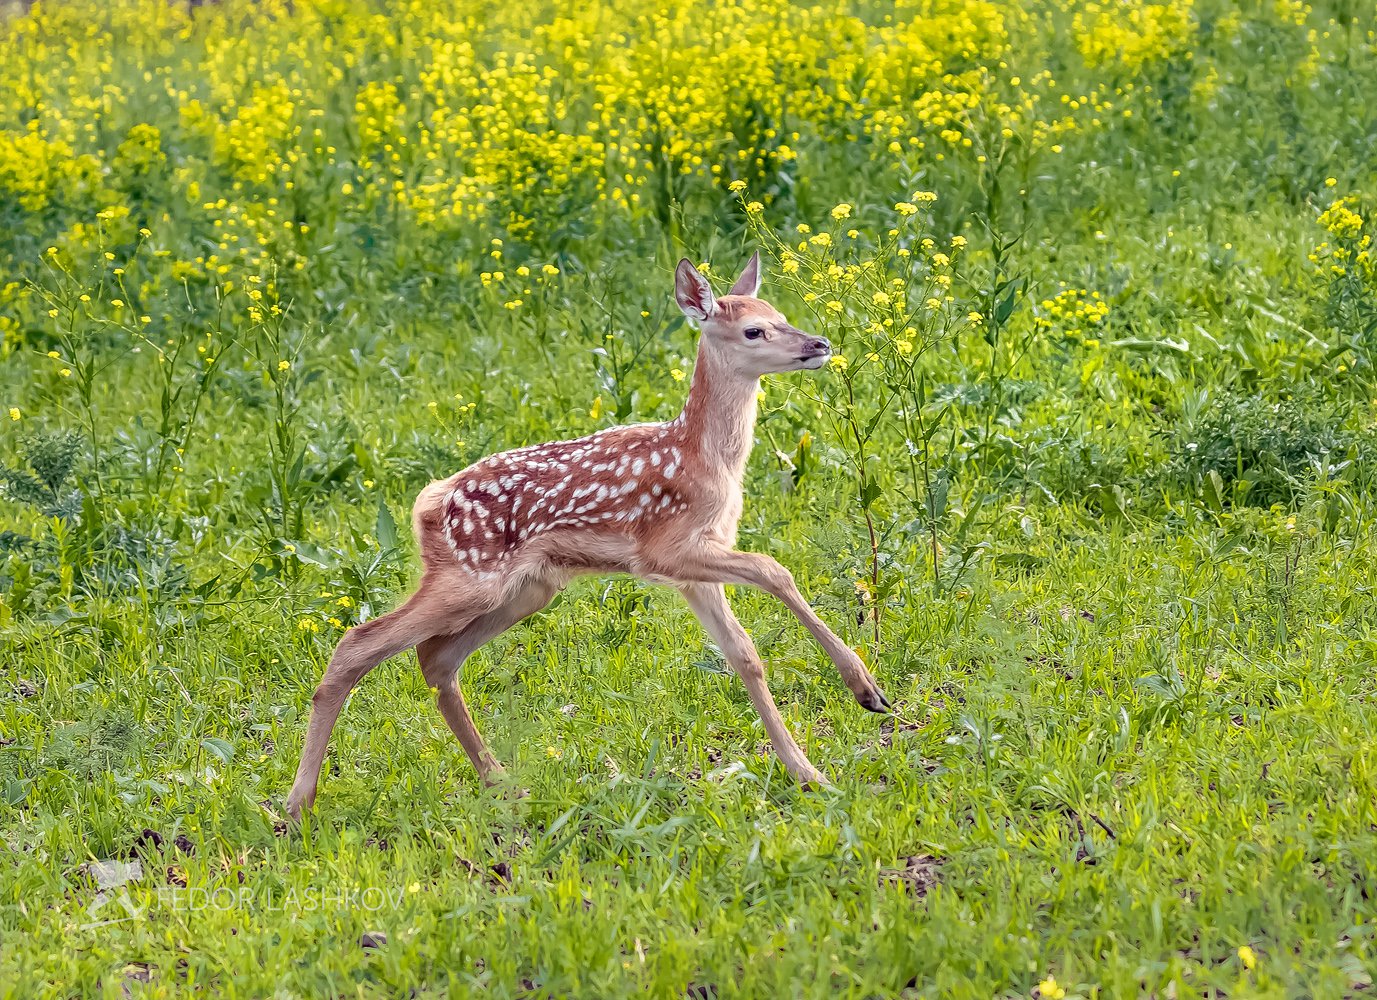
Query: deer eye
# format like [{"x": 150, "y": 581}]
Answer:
[{"x": 753, "y": 333}]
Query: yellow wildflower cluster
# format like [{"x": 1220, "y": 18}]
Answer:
[
  {"x": 1073, "y": 311},
  {"x": 883, "y": 302},
  {"x": 454, "y": 111},
  {"x": 1348, "y": 251},
  {"x": 1128, "y": 33},
  {"x": 36, "y": 169}
]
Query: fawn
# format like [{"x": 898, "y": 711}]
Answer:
[{"x": 660, "y": 501}]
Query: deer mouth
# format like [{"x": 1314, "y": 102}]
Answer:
[{"x": 813, "y": 361}]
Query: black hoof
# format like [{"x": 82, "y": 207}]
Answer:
[{"x": 874, "y": 700}]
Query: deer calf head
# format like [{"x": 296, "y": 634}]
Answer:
[{"x": 746, "y": 332}]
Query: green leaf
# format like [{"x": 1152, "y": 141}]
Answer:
[
  {"x": 935, "y": 503},
  {"x": 1006, "y": 305},
  {"x": 1213, "y": 490},
  {"x": 1112, "y": 500},
  {"x": 223, "y": 749},
  {"x": 870, "y": 492},
  {"x": 16, "y": 791},
  {"x": 1144, "y": 346},
  {"x": 386, "y": 530},
  {"x": 306, "y": 552}
]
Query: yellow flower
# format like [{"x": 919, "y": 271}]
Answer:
[
  {"x": 958, "y": 242},
  {"x": 14, "y": 413},
  {"x": 1049, "y": 990},
  {"x": 595, "y": 411},
  {"x": 308, "y": 625},
  {"x": 368, "y": 484},
  {"x": 906, "y": 208},
  {"x": 282, "y": 366},
  {"x": 842, "y": 211},
  {"x": 839, "y": 362},
  {"x": 676, "y": 374},
  {"x": 549, "y": 270},
  {"x": 65, "y": 372},
  {"x": 1329, "y": 182},
  {"x": 1248, "y": 957},
  {"x": 736, "y": 187},
  {"x": 834, "y": 306}
]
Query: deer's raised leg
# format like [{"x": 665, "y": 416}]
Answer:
[
  {"x": 362, "y": 648},
  {"x": 709, "y": 603},
  {"x": 442, "y": 656},
  {"x": 755, "y": 570}
]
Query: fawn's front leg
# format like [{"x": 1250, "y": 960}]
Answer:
[
  {"x": 755, "y": 570},
  {"x": 709, "y": 603}
]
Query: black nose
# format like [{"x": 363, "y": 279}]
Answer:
[{"x": 821, "y": 344}]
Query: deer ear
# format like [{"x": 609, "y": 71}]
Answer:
[
  {"x": 692, "y": 292},
  {"x": 749, "y": 282}
]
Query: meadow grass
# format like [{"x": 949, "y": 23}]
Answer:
[{"x": 1091, "y": 488}]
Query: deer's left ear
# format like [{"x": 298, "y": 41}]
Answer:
[
  {"x": 692, "y": 292},
  {"x": 749, "y": 282}
]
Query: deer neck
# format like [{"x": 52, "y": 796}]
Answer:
[{"x": 719, "y": 414}]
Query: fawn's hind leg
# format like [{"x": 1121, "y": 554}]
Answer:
[
  {"x": 442, "y": 656},
  {"x": 362, "y": 648}
]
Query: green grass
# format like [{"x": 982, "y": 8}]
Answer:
[{"x": 1135, "y": 739}]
